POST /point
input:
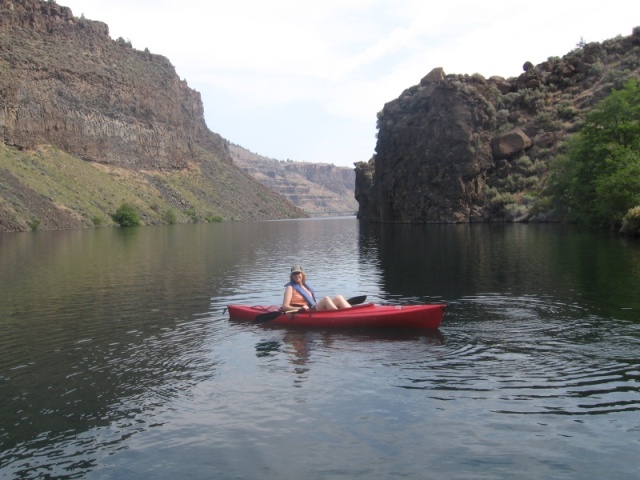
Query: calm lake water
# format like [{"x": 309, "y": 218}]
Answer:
[{"x": 117, "y": 360}]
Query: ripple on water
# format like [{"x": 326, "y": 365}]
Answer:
[{"x": 533, "y": 356}]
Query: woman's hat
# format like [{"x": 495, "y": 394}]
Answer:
[{"x": 296, "y": 268}]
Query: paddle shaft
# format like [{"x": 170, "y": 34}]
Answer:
[{"x": 267, "y": 317}]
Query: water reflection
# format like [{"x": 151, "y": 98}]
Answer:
[
  {"x": 266, "y": 348},
  {"x": 299, "y": 348},
  {"x": 431, "y": 262},
  {"x": 300, "y": 345},
  {"x": 97, "y": 333},
  {"x": 116, "y": 360}
]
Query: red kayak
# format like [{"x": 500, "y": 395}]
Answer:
[{"x": 368, "y": 315}]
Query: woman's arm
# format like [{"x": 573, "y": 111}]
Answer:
[{"x": 286, "y": 301}]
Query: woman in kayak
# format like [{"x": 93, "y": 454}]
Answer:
[{"x": 299, "y": 295}]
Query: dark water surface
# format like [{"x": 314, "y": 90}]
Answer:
[{"x": 117, "y": 361}]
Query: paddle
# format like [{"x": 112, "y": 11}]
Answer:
[
  {"x": 357, "y": 300},
  {"x": 266, "y": 317}
]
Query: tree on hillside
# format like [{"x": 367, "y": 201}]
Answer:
[
  {"x": 126, "y": 216},
  {"x": 598, "y": 180}
]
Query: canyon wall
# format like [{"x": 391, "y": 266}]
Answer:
[
  {"x": 66, "y": 84},
  {"x": 463, "y": 148}
]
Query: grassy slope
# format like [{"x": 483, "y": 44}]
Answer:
[{"x": 90, "y": 193}]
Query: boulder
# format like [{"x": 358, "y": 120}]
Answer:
[
  {"x": 509, "y": 144},
  {"x": 434, "y": 76}
]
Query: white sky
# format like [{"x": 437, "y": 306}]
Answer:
[{"x": 304, "y": 80}]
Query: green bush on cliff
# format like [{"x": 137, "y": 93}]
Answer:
[
  {"x": 170, "y": 217},
  {"x": 124, "y": 43},
  {"x": 565, "y": 110},
  {"x": 192, "y": 214},
  {"x": 498, "y": 203},
  {"x": 126, "y": 216},
  {"x": 34, "y": 224},
  {"x": 598, "y": 180}
]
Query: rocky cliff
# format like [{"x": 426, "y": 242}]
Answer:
[
  {"x": 460, "y": 148},
  {"x": 319, "y": 189},
  {"x": 65, "y": 83}
]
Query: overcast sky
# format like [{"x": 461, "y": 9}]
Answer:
[{"x": 304, "y": 80}]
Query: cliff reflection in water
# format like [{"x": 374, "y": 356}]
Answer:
[{"x": 448, "y": 262}]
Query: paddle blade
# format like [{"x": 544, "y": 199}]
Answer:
[
  {"x": 266, "y": 317},
  {"x": 357, "y": 300}
]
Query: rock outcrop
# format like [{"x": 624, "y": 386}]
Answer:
[
  {"x": 507, "y": 145},
  {"x": 460, "y": 148},
  {"x": 64, "y": 82},
  {"x": 93, "y": 97}
]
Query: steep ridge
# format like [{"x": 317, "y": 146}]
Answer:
[
  {"x": 65, "y": 84},
  {"x": 461, "y": 148},
  {"x": 318, "y": 189}
]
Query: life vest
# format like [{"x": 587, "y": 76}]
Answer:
[{"x": 311, "y": 300}]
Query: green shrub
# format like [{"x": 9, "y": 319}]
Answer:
[
  {"x": 170, "y": 217},
  {"x": 546, "y": 121},
  {"x": 513, "y": 211},
  {"x": 214, "y": 219},
  {"x": 191, "y": 213},
  {"x": 532, "y": 100},
  {"x": 566, "y": 110},
  {"x": 524, "y": 164},
  {"x": 503, "y": 116},
  {"x": 34, "y": 224},
  {"x": 598, "y": 180},
  {"x": 517, "y": 182},
  {"x": 122, "y": 42},
  {"x": 540, "y": 167},
  {"x": 497, "y": 204},
  {"x": 597, "y": 68},
  {"x": 541, "y": 204},
  {"x": 126, "y": 216},
  {"x": 97, "y": 220},
  {"x": 631, "y": 222}
]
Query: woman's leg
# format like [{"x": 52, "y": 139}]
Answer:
[
  {"x": 334, "y": 303},
  {"x": 340, "y": 302},
  {"x": 325, "y": 304}
]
